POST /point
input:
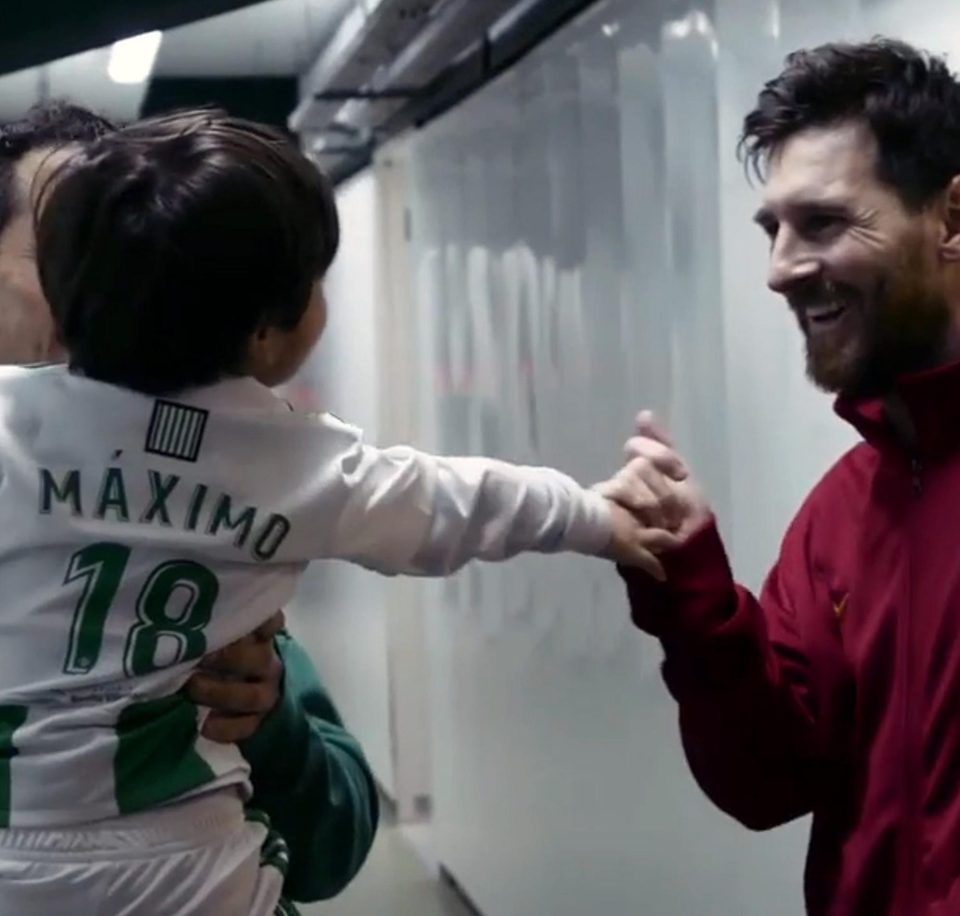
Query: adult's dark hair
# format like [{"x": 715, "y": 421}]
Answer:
[
  {"x": 47, "y": 125},
  {"x": 164, "y": 246},
  {"x": 909, "y": 100}
]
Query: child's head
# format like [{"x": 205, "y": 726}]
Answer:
[{"x": 184, "y": 249}]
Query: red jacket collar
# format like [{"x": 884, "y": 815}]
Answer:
[{"x": 932, "y": 399}]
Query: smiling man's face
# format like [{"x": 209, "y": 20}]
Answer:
[{"x": 860, "y": 271}]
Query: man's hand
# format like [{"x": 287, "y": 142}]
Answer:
[
  {"x": 644, "y": 508},
  {"x": 681, "y": 505},
  {"x": 240, "y": 684},
  {"x": 647, "y": 483},
  {"x": 633, "y": 543},
  {"x": 656, "y": 504}
]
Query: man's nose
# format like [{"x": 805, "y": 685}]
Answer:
[{"x": 790, "y": 264}]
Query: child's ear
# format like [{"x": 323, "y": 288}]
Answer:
[{"x": 261, "y": 352}]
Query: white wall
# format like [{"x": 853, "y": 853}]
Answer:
[
  {"x": 583, "y": 248},
  {"x": 565, "y": 224}
]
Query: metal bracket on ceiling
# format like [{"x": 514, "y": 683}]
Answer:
[{"x": 371, "y": 95}]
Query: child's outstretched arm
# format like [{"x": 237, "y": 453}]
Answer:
[{"x": 401, "y": 511}]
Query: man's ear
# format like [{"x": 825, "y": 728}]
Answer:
[{"x": 950, "y": 221}]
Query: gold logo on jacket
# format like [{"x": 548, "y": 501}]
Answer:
[{"x": 840, "y": 607}]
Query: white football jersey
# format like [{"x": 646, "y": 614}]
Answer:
[{"x": 138, "y": 534}]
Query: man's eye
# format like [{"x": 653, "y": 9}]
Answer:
[{"x": 822, "y": 224}]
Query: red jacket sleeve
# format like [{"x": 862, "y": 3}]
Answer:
[{"x": 758, "y": 683}]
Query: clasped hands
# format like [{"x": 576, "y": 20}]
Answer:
[{"x": 655, "y": 502}]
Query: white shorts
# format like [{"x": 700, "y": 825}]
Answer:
[{"x": 201, "y": 857}]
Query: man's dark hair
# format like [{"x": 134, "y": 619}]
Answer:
[
  {"x": 909, "y": 100},
  {"x": 163, "y": 247},
  {"x": 47, "y": 125}
]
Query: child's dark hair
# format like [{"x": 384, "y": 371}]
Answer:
[{"x": 164, "y": 246}]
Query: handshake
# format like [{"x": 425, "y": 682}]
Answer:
[{"x": 655, "y": 504}]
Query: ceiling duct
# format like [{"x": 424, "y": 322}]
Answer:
[
  {"x": 369, "y": 38},
  {"x": 385, "y": 53},
  {"x": 399, "y": 63}
]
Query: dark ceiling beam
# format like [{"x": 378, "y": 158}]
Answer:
[
  {"x": 269, "y": 99},
  {"x": 39, "y": 31}
]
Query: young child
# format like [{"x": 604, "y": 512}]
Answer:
[{"x": 157, "y": 501}]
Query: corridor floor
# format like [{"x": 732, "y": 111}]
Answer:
[{"x": 395, "y": 881}]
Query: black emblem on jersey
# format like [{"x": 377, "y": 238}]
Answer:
[{"x": 176, "y": 430}]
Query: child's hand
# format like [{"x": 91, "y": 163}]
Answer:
[
  {"x": 632, "y": 543},
  {"x": 648, "y": 486}
]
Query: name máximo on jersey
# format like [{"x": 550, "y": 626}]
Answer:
[{"x": 203, "y": 513}]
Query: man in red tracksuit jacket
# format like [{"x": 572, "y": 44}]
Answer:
[{"x": 837, "y": 692}]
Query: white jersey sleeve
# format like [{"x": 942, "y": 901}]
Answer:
[{"x": 401, "y": 511}]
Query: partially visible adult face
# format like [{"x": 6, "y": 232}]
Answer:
[
  {"x": 860, "y": 270},
  {"x": 26, "y": 327}
]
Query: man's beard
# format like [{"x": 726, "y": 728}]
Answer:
[{"x": 904, "y": 327}]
